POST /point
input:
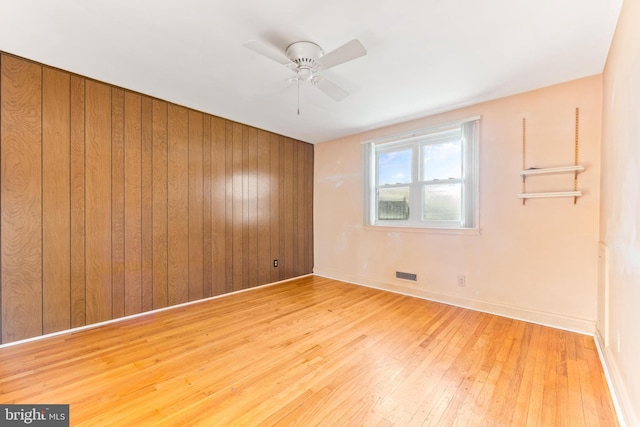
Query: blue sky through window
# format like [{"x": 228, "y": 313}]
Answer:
[
  {"x": 394, "y": 167},
  {"x": 442, "y": 161}
]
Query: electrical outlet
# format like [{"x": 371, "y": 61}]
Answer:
[
  {"x": 275, "y": 262},
  {"x": 462, "y": 281}
]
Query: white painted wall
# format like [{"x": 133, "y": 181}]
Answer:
[
  {"x": 536, "y": 262},
  {"x": 620, "y": 209}
]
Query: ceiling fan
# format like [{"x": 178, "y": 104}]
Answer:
[{"x": 308, "y": 60}]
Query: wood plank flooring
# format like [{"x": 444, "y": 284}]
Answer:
[{"x": 314, "y": 351}]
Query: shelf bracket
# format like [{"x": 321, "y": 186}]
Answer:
[
  {"x": 575, "y": 163},
  {"x": 524, "y": 151}
]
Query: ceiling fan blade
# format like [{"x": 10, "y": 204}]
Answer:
[
  {"x": 266, "y": 51},
  {"x": 329, "y": 88},
  {"x": 344, "y": 53}
]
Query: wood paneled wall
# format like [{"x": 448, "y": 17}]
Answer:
[{"x": 114, "y": 203}]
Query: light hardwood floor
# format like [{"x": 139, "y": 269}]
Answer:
[{"x": 314, "y": 351}]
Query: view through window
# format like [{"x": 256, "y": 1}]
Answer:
[{"x": 425, "y": 179}]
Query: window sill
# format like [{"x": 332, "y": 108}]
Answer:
[{"x": 431, "y": 230}]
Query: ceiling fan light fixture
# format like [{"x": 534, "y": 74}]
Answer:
[{"x": 305, "y": 74}]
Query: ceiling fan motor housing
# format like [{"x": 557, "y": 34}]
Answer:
[{"x": 305, "y": 55}]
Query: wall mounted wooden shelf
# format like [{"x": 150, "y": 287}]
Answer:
[
  {"x": 551, "y": 171},
  {"x": 532, "y": 172},
  {"x": 550, "y": 194}
]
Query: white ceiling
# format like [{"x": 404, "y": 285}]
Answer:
[{"x": 424, "y": 56}]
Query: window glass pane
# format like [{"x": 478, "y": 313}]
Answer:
[
  {"x": 393, "y": 203},
  {"x": 442, "y": 202},
  {"x": 394, "y": 167},
  {"x": 442, "y": 160}
]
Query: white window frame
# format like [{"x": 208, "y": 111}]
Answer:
[{"x": 468, "y": 130}]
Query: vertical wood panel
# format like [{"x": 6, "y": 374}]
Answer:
[
  {"x": 178, "y": 208},
  {"x": 300, "y": 206},
  {"x": 229, "y": 205},
  {"x": 159, "y": 204},
  {"x": 132, "y": 203},
  {"x": 206, "y": 209},
  {"x": 228, "y": 230},
  {"x": 252, "y": 195},
  {"x": 218, "y": 206},
  {"x": 237, "y": 201},
  {"x": 275, "y": 180},
  {"x": 78, "y": 291},
  {"x": 309, "y": 212},
  {"x": 98, "y": 201},
  {"x": 117, "y": 202},
  {"x": 288, "y": 223},
  {"x": 297, "y": 201},
  {"x": 246, "y": 204},
  {"x": 55, "y": 200},
  {"x": 196, "y": 237},
  {"x": 282, "y": 204},
  {"x": 56, "y": 189},
  {"x": 21, "y": 199},
  {"x": 264, "y": 208},
  {"x": 147, "y": 204}
]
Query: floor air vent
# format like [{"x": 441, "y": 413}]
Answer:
[{"x": 406, "y": 276}]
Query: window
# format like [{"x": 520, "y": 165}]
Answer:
[{"x": 426, "y": 179}]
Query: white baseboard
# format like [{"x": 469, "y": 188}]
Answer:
[
  {"x": 626, "y": 411},
  {"x": 554, "y": 320}
]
